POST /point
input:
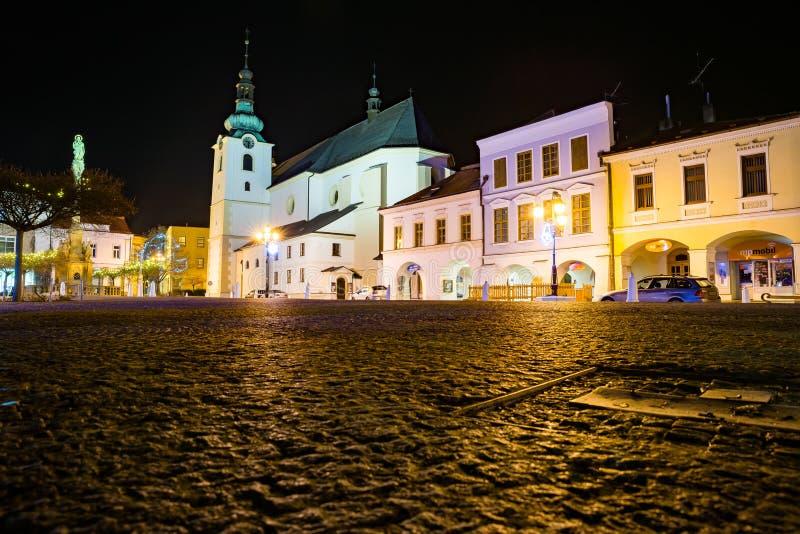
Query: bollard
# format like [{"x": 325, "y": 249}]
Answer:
[{"x": 745, "y": 295}]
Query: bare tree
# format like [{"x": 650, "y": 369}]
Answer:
[{"x": 29, "y": 201}]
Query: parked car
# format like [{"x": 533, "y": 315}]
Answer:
[
  {"x": 256, "y": 294},
  {"x": 378, "y": 292},
  {"x": 365, "y": 293},
  {"x": 668, "y": 288}
]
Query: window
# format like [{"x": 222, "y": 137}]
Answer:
[
  {"x": 579, "y": 150},
  {"x": 93, "y": 248},
  {"x": 398, "y": 237},
  {"x": 219, "y": 164},
  {"x": 441, "y": 231},
  {"x": 549, "y": 215},
  {"x": 247, "y": 162},
  {"x": 182, "y": 240},
  {"x": 466, "y": 227},
  {"x": 302, "y": 249},
  {"x": 302, "y": 274},
  {"x": 550, "y": 160},
  {"x": 500, "y": 173},
  {"x": 336, "y": 249},
  {"x": 418, "y": 234},
  {"x": 754, "y": 175},
  {"x": 247, "y": 186},
  {"x": 581, "y": 214},
  {"x": 289, "y": 276},
  {"x": 501, "y": 225},
  {"x": 525, "y": 221},
  {"x": 644, "y": 191},
  {"x": 524, "y": 166},
  {"x": 201, "y": 242},
  {"x": 201, "y": 263},
  {"x": 694, "y": 184},
  {"x": 247, "y": 264},
  {"x": 276, "y": 278},
  {"x": 117, "y": 251},
  {"x": 256, "y": 263},
  {"x": 7, "y": 243},
  {"x": 288, "y": 251}
]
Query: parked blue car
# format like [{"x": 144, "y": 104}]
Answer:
[{"x": 669, "y": 288}]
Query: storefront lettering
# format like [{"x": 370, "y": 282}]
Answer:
[{"x": 757, "y": 251}]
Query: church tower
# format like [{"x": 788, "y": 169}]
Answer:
[{"x": 242, "y": 172}]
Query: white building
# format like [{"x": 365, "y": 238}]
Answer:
[
  {"x": 530, "y": 166},
  {"x": 323, "y": 203},
  {"x": 433, "y": 240}
]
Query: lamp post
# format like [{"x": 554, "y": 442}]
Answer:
[
  {"x": 555, "y": 221},
  {"x": 269, "y": 238},
  {"x": 140, "y": 285}
]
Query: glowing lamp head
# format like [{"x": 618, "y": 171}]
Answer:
[
  {"x": 272, "y": 248},
  {"x": 561, "y": 219},
  {"x": 538, "y": 212}
]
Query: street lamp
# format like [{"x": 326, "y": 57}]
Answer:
[
  {"x": 269, "y": 238},
  {"x": 555, "y": 221}
]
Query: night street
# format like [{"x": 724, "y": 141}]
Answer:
[{"x": 290, "y": 415}]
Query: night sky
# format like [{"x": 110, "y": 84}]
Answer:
[{"x": 150, "y": 92}]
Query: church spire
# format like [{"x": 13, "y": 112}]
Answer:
[
  {"x": 373, "y": 102},
  {"x": 244, "y": 120}
]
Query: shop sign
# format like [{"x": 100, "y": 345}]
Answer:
[{"x": 759, "y": 250}]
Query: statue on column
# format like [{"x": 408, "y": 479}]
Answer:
[{"x": 78, "y": 150}]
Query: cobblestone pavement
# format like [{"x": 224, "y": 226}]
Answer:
[{"x": 214, "y": 415}]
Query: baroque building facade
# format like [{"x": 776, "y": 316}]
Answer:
[
  {"x": 556, "y": 158},
  {"x": 720, "y": 199},
  {"x": 321, "y": 204}
]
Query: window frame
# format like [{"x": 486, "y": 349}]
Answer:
[
  {"x": 336, "y": 249},
  {"x": 247, "y": 159},
  {"x": 201, "y": 242},
  {"x": 526, "y": 217},
  {"x": 572, "y": 153},
  {"x": 466, "y": 227},
  {"x": 527, "y": 176},
  {"x": 441, "y": 231},
  {"x": 500, "y": 226},
  {"x": 419, "y": 234},
  {"x": 116, "y": 252},
  {"x": 584, "y": 212},
  {"x": 201, "y": 263},
  {"x": 753, "y": 154},
  {"x": 550, "y": 161},
  {"x": 398, "y": 237},
  {"x": 637, "y": 187},
  {"x": 686, "y": 188},
  {"x": 495, "y": 168}
]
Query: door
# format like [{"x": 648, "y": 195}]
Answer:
[{"x": 341, "y": 284}]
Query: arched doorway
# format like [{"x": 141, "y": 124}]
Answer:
[
  {"x": 409, "y": 282},
  {"x": 341, "y": 285},
  {"x": 463, "y": 281}
]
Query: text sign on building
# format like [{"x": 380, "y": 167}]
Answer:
[{"x": 759, "y": 250}]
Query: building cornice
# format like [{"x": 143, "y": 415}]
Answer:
[
  {"x": 692, "y": 144},
  {"x": 706, "y": 221}
]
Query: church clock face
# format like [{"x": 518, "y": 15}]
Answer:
[{"x": 248, "y": 142}]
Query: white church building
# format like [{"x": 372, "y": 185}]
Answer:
[{"x": 322, "y": 204}]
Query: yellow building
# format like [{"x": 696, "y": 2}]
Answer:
[
  {"x": 721, "y": 200},
  {"x": 191, "y": 243}
]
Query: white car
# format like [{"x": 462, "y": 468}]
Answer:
[{"x": 365, "y": 293}]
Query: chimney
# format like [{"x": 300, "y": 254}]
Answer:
[
  {"x": 708, "y": 110},
  {"x": 666, "y": 124}
]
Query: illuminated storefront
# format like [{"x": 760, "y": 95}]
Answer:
[{"x": 763, "y": 266}]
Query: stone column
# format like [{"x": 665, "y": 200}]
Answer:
[{"x": 698, "y": 262}]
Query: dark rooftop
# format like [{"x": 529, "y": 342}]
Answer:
[
  {"x": 466, "y": 179},
  {"x": 401, "y": 125}
]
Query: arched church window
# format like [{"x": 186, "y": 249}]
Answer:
[
  {"x": 219, "y": 166},
  {"x": 247, "y": 186},
  {"x": 256, "y": 263},
  {"x": 247, "y": 162},
  {"x": 247, "y": 264}
]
